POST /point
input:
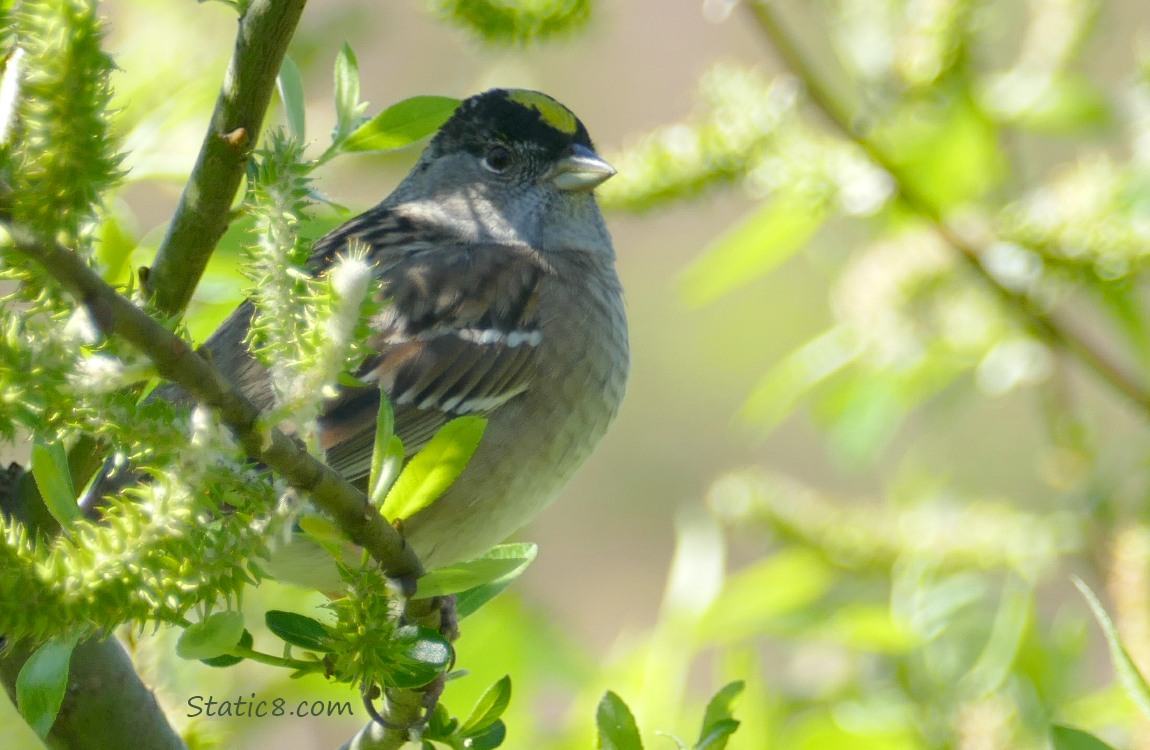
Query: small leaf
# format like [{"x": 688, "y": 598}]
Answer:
[
  {"x": 617, "y": 728},
  {"x": 719, "y": 710},
  {"x": 418, "y": 656},
  {"x": 716, "y": 735},
  {"x": 750, "y": 250},
  {"x": 54, "y": 480},
  {"x": 323, "y": 532},
  {"x": 503, "y": 563},
  {"x": 489, "y": 708},
  {"x": 290, "y": 87},
  {"x": 402, "y": 124},
  {"x": 298, "y": 630},
  {"x": 347, "y": 104},
  {"x": 1128, "y": 675},
  {"x": 467, "y": 602},
  {"x": 1069, "y": 738},
  {"x": 488, "y": 739},
  {"x": 41, "y": 684},
  {"x": 431, "y": 471},
  {"x": 214, "y": 636},
  {"x": 793, "y": 377},
  {"x": 227, "y": 660}
]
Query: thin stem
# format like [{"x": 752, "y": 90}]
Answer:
[
  {"x": 202, "y": 215},
  {"x": 1047, "y": 325}
]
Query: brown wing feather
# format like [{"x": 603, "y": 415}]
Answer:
[{"x": 459, "y": 336}]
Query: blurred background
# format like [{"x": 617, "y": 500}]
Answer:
[{"x": 855, "y": 468}]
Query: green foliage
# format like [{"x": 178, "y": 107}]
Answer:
[
  {"x": 430, "y": 472},
  {"x": 63, "y": 157},
  {"x": 41, "y": 683},
  {"x": 515, "y": 21}
]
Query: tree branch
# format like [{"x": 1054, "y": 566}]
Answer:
[
  {"x": 348, "y": 507},
  {"x": 177, "y": 362},
  {"x": 202, "y": 215},
  {"x": 1047, "y": 325}
]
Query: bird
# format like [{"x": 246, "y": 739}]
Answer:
[{"x": 500, "y": 299}]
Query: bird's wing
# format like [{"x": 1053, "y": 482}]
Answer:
[{"x": 460, "y": 334}]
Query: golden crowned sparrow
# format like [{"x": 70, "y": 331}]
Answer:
[{"x": 503, "y": 302}]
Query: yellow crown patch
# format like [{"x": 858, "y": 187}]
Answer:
[{"x": 552, "y": 112}]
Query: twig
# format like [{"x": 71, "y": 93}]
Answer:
[
  {"x": 202, "y": 214},
  {"x": 1054, "y": 331}
]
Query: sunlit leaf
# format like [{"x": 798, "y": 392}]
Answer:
[
  {"x": 752, "y": 249},
  {"x": 946, "y": 150},
  {"x": 782, "y": 389},
  {"x": 402, "y": 124},
  {"x": 754, "y": 599},
  {"x": 502, "y": 563},
  {"x": 227, "y": 660},
  {"x": 489, "y": 708},
  {"x": 290, "y": 87},
  {"x": 213, "y": 636},
  {"x": 347, "y": 104},
  {"x": 1070, "y": 103},
  {"x": 467, "y": 602},
  {"x": 1127, "y": 672},
  {"x": 431, "y": 471},
  {"x": 54, "y": 480}
]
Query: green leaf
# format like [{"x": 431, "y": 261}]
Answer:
[
  {"x": 298, "y": 630},
  {"x": 54, "y": 480},
  {"x": 467, "y": 602},
  {"x": 1070, "y": 104},
  {"x": 290, "y": 87},
  {"x": 718, "y": 714},
  {"x": 755, "y": 598},
  {"x": 503, "y": 563},
  {"x": 1069, "y": 738},
  {"x": 717, "y": 734},
  {"x": 418, "y": 655},
  {"x": 347, "y": 104},
  {"x": 792, "y": 379},
  {"x": 489, "y": 739},
  {"x": 431, "y": 471},
  {"x": 383, "y": 455},
  {"x": 227, "y": 660},
  {"x": 213, "y": 636},
  {"x": 489, "y": 708},
  {"x": 1128, "y": 675},
  {"x": 41, "y": 684},
  {"x": 752, "y": 249},
  {"x": 402, "y": 124},
  {"x": 617, "y": 728},
  {"x": 947, "y": 151}
]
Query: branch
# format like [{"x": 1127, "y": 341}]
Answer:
[
  {"x": 177, "y": 362},
  {"x": 1045, "y": 324},
  {"x": 348, "y": 507},
  {"x": 202, "y": 215}
]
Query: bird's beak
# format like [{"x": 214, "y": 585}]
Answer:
[{"x": 581, "y": 169}]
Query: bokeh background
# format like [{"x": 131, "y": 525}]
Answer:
[{"x": 877, "y": 535}]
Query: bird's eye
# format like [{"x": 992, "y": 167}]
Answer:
[{"x": 497, "y": 159}]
